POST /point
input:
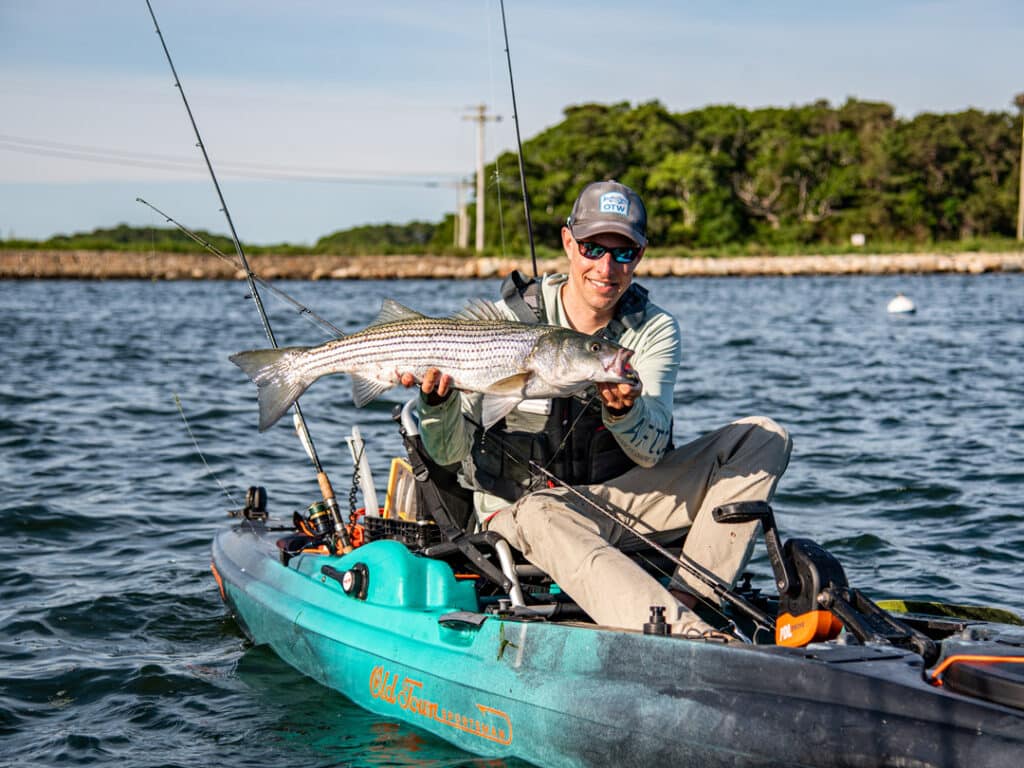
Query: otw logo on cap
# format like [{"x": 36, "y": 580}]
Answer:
[{"x": 614, "y": 202}]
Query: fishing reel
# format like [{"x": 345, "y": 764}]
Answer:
[
  {"x": 317, "y": 521},
  {"x": 255, "y": 504},
  {"x": 815, "y": 600}
]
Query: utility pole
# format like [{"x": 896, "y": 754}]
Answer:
[
  {"x": 463, "y": 215},
  {"x": 480, "y": 118},
  {"x": 1019, "y": 101},
  {"x": 460, "y": 234},
  {"x": 457, "y": 223}
]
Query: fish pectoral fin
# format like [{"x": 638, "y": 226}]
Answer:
[
  {"x": 510, "y": 385},
  {"x": 365, "y": 389},
  {"x": 496, "y": 407},
  {"x": 392, "y": 312},
  {"x": 481, "y": 310}
]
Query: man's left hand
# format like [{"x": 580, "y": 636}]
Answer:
[{"x": 619, "y": 398}]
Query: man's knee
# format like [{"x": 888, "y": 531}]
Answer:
[
  {"x": 533, "y": 513},
  {"x": 766, "y": 423},
  {"x": 767, "y": 439}
]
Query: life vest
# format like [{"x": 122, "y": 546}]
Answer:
[{"x": 574, "y": 444}]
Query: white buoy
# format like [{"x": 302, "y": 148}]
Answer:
[{"x": 901, "y": 305}]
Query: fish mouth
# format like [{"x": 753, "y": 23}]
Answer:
[{"x": 620, "y": 366}]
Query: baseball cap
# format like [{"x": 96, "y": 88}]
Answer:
[{"x": 607, "y": 206}]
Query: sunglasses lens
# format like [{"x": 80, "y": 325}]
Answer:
[{"x": 594, "y": 251}]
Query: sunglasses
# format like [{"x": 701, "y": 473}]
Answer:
[{"x": 626, "y": 254}]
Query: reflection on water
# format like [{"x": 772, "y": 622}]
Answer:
[{"x": 908, "y": 444}]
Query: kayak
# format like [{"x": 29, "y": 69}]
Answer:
[
  {"x": 406, "y": 630},
  {"x": 416, "y": 623}
]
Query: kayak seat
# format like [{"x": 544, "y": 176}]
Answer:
[
  {"x": 488, "y": 555},
  {"x": 528, "y": 590}
]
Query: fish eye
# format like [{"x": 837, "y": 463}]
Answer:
[{"x": 595, "y": 346}]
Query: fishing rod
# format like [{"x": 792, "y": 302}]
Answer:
[
  {"x": 519, "y": 145},
  {"x": 298, "y": 305},
  {"x": 340, "y": 532},
  {"x": 716, "y": 586},
  {"x": 719, "y": 588}
]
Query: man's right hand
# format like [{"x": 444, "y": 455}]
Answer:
[{"x": 435, "y": 386}]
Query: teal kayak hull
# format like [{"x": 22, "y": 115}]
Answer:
[{"x": 412, "y": 645}]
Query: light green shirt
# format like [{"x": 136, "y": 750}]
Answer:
[{"x": 643, "y": 432}]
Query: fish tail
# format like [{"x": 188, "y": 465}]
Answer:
[{"x": 279, "y": 377}]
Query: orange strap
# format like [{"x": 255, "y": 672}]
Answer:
[{"x": 937, "y": 672}]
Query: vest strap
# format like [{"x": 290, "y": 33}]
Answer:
[{"x": 523, "y": 296}]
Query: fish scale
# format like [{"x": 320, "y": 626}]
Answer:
[
  {"x": 479, "y": 348},
  {"x": 456, "y": 348}
]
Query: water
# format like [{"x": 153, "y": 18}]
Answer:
[{"x": 114, "y": 646}]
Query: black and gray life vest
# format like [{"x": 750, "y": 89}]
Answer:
[{"x": 574, "y": 445}]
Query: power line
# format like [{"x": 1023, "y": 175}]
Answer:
[{"x": 107, "y": 156}]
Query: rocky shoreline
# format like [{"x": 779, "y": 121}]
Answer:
[{"x": 120, "y": 265}]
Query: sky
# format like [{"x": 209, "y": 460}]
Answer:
[{"x": 320, "y": 115}]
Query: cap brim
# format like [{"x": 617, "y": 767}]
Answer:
[{"x": 583, "y": 230}]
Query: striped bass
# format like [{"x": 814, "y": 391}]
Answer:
[{"x": 479, "y": 347}]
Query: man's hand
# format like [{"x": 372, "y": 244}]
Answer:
[
  {"x": 619, "y": 398},
  {"x": 436, "y": 386}
]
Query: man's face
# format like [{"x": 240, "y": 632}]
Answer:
[{"x": 600, "y": 282}]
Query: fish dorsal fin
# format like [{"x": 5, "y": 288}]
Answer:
[
  {"x": 364, "y": 389},
  {"x": 481, "y": 310},
  {"x": 392, "y": 312}
]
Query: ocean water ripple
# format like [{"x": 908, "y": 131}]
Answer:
[{"x": 908, "y": 463}]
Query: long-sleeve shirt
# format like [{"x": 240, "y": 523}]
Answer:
[{"x": 643, "y": 432}]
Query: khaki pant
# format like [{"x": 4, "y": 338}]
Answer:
[{"x": 579, "y": 547}]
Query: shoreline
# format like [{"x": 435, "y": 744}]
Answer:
[{"x": 124, "y": 265}]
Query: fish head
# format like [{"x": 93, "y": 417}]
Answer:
[{"x": 568, "y": 361}]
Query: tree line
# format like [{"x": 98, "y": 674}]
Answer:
[
  {"x": 803, "y": 175},
  {"x": 719, "y": 177}
]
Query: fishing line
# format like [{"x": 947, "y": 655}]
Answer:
[
  {"x": 497, "y": 169},
  {"x": 341, "y": 533},
  {"x": 519, "y": 144},
  {"x": 572, "y": 428},
  {"x": 497, "y": 164},
  {"x": 209, "y": 470},
  {"x": 302, "y": 309},
  {"x": 501, "y": 213}
]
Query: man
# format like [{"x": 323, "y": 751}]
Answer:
[{"x": 615, "y": 447}]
